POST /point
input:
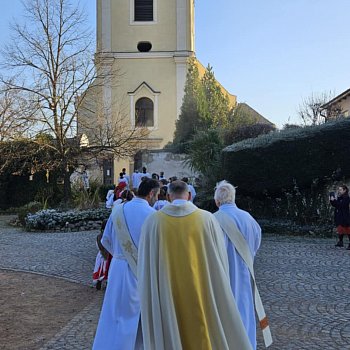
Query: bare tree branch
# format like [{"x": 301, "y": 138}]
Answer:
[
  {"x": 50, "y": 61},
  {"x": 312, "y": 112}
]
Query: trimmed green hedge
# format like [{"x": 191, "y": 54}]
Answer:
[
  {"x": 277, "y": 161},
  {"x": 16, "y": 191}
]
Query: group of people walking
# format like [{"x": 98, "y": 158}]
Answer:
[
  {"x": 180, "y": 277},
  {"x": 126, "y": 189}
]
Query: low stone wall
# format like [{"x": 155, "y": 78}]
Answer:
[{"x": 80, "y": 226}]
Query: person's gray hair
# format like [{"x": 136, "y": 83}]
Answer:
[
  {"x": 225, "y": 193},
  {"x": 178, "y": 187}
]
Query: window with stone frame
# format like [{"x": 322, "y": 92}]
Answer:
[
  {"x": 143, "y": 10},
  {"x": 144, "y": 112}
]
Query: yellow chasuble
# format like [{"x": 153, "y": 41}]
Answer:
[{"x": 186, "y": 299}]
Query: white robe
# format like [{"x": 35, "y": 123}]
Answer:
[
  {"x": 160, "y": 203},
  {"x": 135, "y": 179},
  {"x": 186, "y": 300},
  {"x": 109, "y": 199},
  {"x": 193, "y": 192},
  {"x": 239, "y": 273},
  {"x": 120, "y": 315},
  {"x": 127, "y": 177}
]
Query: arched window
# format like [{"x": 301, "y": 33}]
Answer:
[
  {"x": 144, "y": 112},
  {"x": 143, "y": 10}
]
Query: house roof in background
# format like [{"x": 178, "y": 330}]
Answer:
[
  {"x": 244, "y": 107},
  {"x": 337, "y": 99}
]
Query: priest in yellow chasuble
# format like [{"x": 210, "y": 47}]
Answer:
[{"x": 183, "y": 280}]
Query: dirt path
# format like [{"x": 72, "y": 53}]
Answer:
[{"x": 38, "y": 310}]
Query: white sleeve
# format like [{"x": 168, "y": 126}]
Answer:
[
  {"x": 109, "y": 193},
  {"x": 109, "y": 201},
  {"x": 193, "y": 192},
  {"x": 108, "y": 236},
  {"x": 257, "y": 237}
]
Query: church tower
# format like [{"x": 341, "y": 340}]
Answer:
[{"x": 148, "y": 43}]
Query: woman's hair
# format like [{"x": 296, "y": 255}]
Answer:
[
  {"x": 162, "y": 194},
  {"x": 225, "y": 193},
  {"x": 345, "y": 188},
  {"x": 127, "y": 195}
]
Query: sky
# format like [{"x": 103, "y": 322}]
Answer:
[{"x": 271, "y": 54}]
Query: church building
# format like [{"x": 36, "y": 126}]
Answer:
[{"x": 148, "y": 44}]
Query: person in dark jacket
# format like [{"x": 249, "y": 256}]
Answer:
[{"x": 341, "y": 214}]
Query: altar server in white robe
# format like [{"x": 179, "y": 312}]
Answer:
[
  {"x": 118, "y": 326},
  {"x": 136, "y": 180},
  {"x": 240, "y": 276},
  {"x": 185, "y": 294}
]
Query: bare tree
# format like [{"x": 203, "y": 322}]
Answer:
[
  {"x": 111, "y": 133},
  {"x": 14, "y": 115},
  {"x": 50, "y": 61},
  {"x": 312, "y": 112}
]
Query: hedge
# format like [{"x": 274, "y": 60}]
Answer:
[
  {"x": 279, "y": 160},
  {"x": 51, "y": 219},
  {"x": 18, "y": 190}
]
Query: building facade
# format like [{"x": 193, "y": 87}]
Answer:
[
  {"x": 338, "y": 107},
  {"x": 145, "y": 46},
  {"x": 147, "y": 43}
]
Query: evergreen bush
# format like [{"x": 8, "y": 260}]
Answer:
[
  {"x": 86, "y": 198},
  {"x": 24, "y": 211},
  {"x": 51, "y": 219},
  {"x": 273, "y": 163}
]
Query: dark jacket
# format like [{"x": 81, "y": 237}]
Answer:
[{"x": 342, "y": 212}]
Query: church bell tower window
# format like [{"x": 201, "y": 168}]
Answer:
[
  {"x": 143, "y": 10},
  {"x": 144, "y": 112}
]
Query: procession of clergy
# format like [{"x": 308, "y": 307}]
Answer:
[{"x": 180, "y": 277}]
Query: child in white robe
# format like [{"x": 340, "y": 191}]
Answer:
[{"x": 102, "y": 261}]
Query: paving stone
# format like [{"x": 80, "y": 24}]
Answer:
[{"x": 304, "y": 284}]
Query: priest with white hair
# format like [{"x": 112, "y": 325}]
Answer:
[{"x": 243, "y": 238}]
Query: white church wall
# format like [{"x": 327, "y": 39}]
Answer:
[{"x": 172, "y": 164}]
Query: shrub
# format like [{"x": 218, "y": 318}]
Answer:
[
  {"x": 86, "y": 198},
  {"x": 102, "y": 191},
  {"x": 43, "y": 196},
  {"x": 29, "y": 208},
  {"x": 204, "y": 151},
  {"x": 247, "y": 131},
  {"x": 51, "y": 219},
  {"x": 277, "y": 160}
]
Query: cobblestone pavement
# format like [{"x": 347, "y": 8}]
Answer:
[{"x": 304, "y": 284}]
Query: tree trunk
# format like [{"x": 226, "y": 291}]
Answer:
[{"x": 67, "y": 190}]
